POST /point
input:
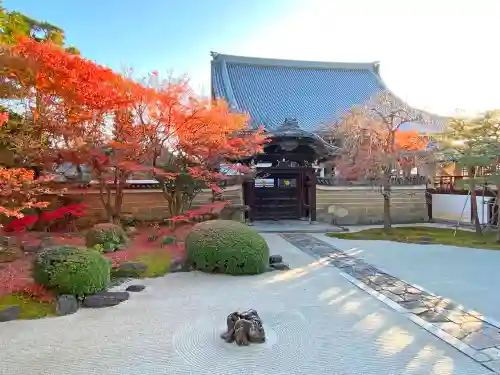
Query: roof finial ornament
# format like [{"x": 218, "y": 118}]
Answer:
[
  {"x": 376, "y": 67},
  {"x": 214, "y": 54}
]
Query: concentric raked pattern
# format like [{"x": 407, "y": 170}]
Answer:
[{"x": 317, "y": 323}]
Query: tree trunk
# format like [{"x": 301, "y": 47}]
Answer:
[
  {"x": 386, "y": 193},
  {"x": 473, "y": 205}
]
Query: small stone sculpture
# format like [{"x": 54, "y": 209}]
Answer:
[{"x": 244, "y": 328}]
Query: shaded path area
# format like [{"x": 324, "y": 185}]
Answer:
[{"x": 316, "y": 321}]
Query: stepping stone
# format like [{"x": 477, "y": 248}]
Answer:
[
  {"x": 135, "y": 288},
  {"x": 433, "y": 317},
  {"x": 129, "y": 270},
  {"x": 10, "y": 313},
  {"x": 280, "y": 266},
  {"x": 275, "y": 259},
  {"x": 453, "y": 329},
  {"x": 391, "y": 296},
  {"x": 105, "y": 299},
  {"x": 66, "y": 305}
]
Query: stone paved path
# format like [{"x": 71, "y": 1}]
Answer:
[
  {"x": 469, "y": 276},
  {"x": 469, "y": 332},
  {"x": 317, "y": 322}
]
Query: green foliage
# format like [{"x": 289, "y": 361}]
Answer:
[
  {"x": 158, "y": 263},
  {"x": 474, "y": 143},
  {"x": 30, "y": 308},
  {"x": 15, "y": 24},
  {"x": 168, "y": 241},
  {"x": 129, "y": 222},
  {"x": 72, "y": 270},
  {"x": 226, "y": 246},
  {"x": 112, "y": 237}
]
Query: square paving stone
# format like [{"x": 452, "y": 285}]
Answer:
[
  {"x": 458, "y": 316},
  {"x": 479, "y": 341},
  {"x": 489, "y": 330},
  {"x": 472, "y": 326}
]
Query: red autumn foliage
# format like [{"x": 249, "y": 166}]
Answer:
[
  {"x": 68, "y": 212},
  {"x": 15, "y": 277},
  {"x": 371, "y": 148}
]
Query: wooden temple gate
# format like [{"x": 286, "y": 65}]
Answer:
[{"x": 282, "y": 193}]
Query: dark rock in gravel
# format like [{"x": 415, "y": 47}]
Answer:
[
  {"x": 280, "y": 266},
  {"x": 275, "y": 259},
  {"x": 10, "y": 313},
  {"x": 105, "y": 299},
  {"x": 135, "y": 288},
  {"x": 179, "y": 265},
  {"x": 424, "y": 240},
  {"x": 129, "y": 270},
  {"x": 66, "y": 305},
  {"x": 31, "y": 247}
]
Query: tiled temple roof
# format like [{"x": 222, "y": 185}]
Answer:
[{"x": 314, "y": 93}]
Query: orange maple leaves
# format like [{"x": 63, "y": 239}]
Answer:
[
  {"x": 116, "y": 125},
  {"x": 18, "y": 191}
]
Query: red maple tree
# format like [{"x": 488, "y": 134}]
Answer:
[{"x": 91, "y": 115}]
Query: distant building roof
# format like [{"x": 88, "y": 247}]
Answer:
[{"x": 315, "y": 93}]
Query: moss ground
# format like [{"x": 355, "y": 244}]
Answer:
[
  {"x": 30, "y": 308},
  {"x": 442, "y": 236}
]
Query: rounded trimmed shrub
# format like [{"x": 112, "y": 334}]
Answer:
[
  {"x": 226, "y": 246},
  {"x": 72, "y": 270},
  {"x": 110, "y": 236}
]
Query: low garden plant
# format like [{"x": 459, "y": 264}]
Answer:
[
  {"x": 107, "y": 236},
  {"x": 72, "y": 270},
  {"x": 226, "y": 246}
]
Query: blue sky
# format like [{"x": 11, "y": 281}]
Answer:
[
  {"x": 153, "y": 34},
  {"x": 437, "y": 55}
]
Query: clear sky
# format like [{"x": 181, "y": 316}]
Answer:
[{"x": 439, "y": 55}]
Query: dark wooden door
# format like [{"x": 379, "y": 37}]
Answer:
[{"x": 277, "y": 195}]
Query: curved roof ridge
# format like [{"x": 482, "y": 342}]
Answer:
[{"x": 294, "y": 63}]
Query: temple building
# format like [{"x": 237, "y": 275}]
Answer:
[{"x": 297, "y": 102}]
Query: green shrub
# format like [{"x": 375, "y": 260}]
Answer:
[
  {"x": 112, "y": 237},
  {"x": 72, "y": 270},
  {"x": 168, "y": 241},
  {"x": 226, "y": 246}
]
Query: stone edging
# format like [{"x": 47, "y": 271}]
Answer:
[{"x": 468, "y": 331}]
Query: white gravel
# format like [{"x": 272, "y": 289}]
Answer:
[{"x": 316, "y": 321}]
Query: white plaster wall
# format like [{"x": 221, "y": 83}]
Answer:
[{"x": 449, "y": 207}]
